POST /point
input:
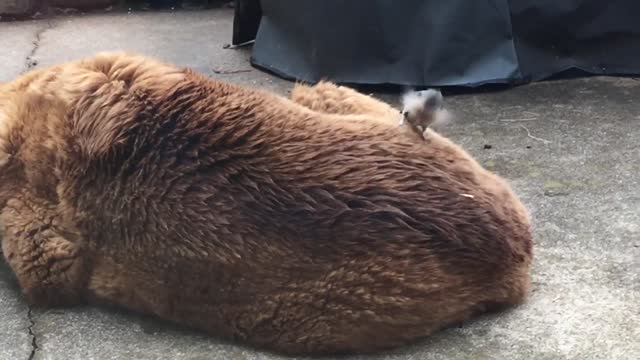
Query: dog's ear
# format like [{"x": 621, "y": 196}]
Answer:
[
  {"x": 102, "y": 121},
  {"x": 107, "y": 95}
]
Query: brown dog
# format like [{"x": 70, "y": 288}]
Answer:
[{"x": 307, "y": 226}]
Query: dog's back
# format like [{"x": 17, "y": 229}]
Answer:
[{"x": 249, "y": 216}]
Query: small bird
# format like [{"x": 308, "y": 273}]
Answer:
[{"x": 420, "y": 109}]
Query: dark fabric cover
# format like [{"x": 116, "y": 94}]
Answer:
[{"x": 442, "y": 43}]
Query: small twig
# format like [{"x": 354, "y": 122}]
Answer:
[
  {"x": 530, "y": 116},
  {"x": 524, "y": 119},
  {"x": 230, "y": 71},
  {"x": 533, "y": 137},
  {"x": 229, "y": 46}
]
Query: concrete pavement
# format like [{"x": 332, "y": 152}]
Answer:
[{"x": 569, "y": 147}]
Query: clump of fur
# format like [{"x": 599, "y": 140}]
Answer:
[{"x": 306, "y": 226}]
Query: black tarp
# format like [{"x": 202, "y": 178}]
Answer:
[{"x": 438, "y": 42}]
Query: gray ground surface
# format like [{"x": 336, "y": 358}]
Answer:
[{"x": 578, "y": 173}]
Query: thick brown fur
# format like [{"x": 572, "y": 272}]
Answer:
[{"x": 312, "y": 225}]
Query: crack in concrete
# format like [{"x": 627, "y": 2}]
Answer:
[
  {"x": 34, "y": 338},
  {"x": 30, "y": 328},
  {"x": 30, "y": 62}
]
